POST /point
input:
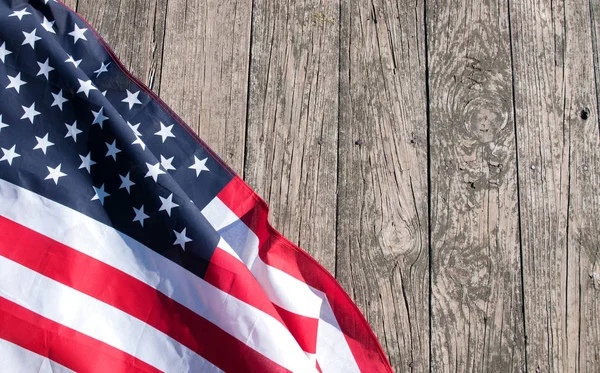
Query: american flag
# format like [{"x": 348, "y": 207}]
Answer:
[{"x": 126, "y": 244}]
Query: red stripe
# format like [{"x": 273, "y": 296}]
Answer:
[
  {"x": 232, "y": 276},
  {"x": 63, "y": 345},
  {"x": 120, "y": 290},
  {"x": 303, "y": 328},
  {"x": 277, "y": 251}
]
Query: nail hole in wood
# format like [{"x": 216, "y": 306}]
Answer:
[{"x": 585, "y": 114}]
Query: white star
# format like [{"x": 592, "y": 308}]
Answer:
[
  {"x": 72, "y": 131},
  {"x": 180, "y": 238},
  {"x": 167, "y": 204},
  {"x": 112, "y": 150},
  {"x": 72, "y": 60},
  {"x": 2, "y": 124},
  {"x": 86, "y": 162},
  {"x": 43, "y": 143},
  {"x": 140, "y": 215},
  {"x": 134, "y": 128},
  {"x": 85, "y": 87},
  {"x": 139, "y": 142},
  {"x": 99, "y": 117},
  {"x": 55, "y": 173},
  {"x": 30, "y": 38},
  {"x": 20, "y": 13},
  {"x": 100, "y": 194},
  {"x": 154, "y": 171},
  {"x": 48, "y": 25},
  {"x": 45, "y": 68},
  {"x": 126, "y": 182},
  {"x": 104, "y": 93},
  {"x": 4, "y": 52},
  {"x": 78, "y": 33},
  {"x": 30, "y": 112},
  {"x": 102, "y": 69},
  {"x": 199, "y": 165},
  {"x": 59, "y": 100},
  {"x": 9, "y": 155},
  {"x": 166, "y": 163},
  {"x": 15, "y": 82},
  {"x": 165, "y": 132},
  {"x": 132, "y": 99}
]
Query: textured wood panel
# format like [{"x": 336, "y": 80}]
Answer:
[
  {"x": 588, "y": 209},
  {"x": 557, "y": 130},
  {"x": 543, "y": 135},
  {"x": 71, "y": 4},
  {"x": 291, "y": 148},
  {"x": 205, "y": 69},
  {"x": 382, "y": 235},
  {"x": 477, "y": 320},
  {"x": 583, "y": 242}
]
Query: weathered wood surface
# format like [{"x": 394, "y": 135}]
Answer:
[
  {"x": 382, "y": 237},
  {"x": 476, "y": 300},
  {"x": 442, "y": 159}
]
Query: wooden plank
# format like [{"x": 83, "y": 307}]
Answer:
[
  {"x": 542, "y": 133},
  {"x": 205, "y": 71},
  {"x": 134, "y": 30},
  {"x": 583, "y": 242},
  {"x": 476, "y": 306},
  {"x": 70, "y": 3},
  {"x": 588, "y": 211},
  {"x": 558, "y": 143},
  {"x": 291, "y": 149},
  {"x": 382, "y": 232}
]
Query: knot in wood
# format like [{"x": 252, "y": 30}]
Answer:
[{"x": 484, "y": 119}]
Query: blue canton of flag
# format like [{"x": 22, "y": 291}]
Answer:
[{"x": 75, "y": 129}]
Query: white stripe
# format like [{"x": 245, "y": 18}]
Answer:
[
  {"x": 16, "y": 359},
  {"x": 333, "y": 352},
  {"x": 253, "y": 327},
  {"x": 286, "y": 291},
  {"x": 282, "y": 289},
  {"x": 218, "y": 214},
  {"x": 87, "y": 315}
]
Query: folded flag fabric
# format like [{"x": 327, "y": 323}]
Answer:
[{"x": 126, "y": 244}]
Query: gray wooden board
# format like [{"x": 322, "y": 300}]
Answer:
[
  {"x": 558, "y": 152},
  {"x": 291, "y": 149},
  {"x": 371, "y": 126},
  {"x": 382, "y": 226},
  {"x": 542, "y": 136},
  {"x": 477, "y": 321}
]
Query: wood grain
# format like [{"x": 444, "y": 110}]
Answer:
[
  {"x": 135, "y": 31},
  {"x": 382, "y": 230},
  {"x": 205, "y": 70},
  {"x": 71, "y": 4},
  {"x": 477, "y": 320},
  {"x": 588, "y": 209},
  {"x": 291, "y": 148},
  {"x": 583, "y": 243},
  {"x": 557, "y": 130}
]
